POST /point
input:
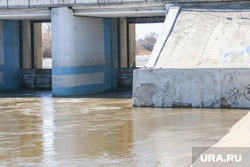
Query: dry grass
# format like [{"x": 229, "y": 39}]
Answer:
[{"x": 143, "y": 52}]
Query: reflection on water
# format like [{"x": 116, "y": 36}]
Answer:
[{"x": 38, "y": 130}]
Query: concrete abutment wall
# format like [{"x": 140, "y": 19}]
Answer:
[
  {"x": 204, "y": 61},
  {"x": 209, "y": 88}
]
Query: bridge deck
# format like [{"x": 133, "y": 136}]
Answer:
[
  {"x": 55, "y": 3},
  {"x": 40, "y": 9}
]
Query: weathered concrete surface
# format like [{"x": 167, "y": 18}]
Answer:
[
  {"x": 29, "y": 61},
  {"x": 125, "y": 78},
  {"x": 123, "y": 43},
  {"x": 209, "y": 36},
  {"x": 36, "y": 79},
  {"x": 127, "y": 46},
  {"x": 165, "y": 33},
  {"x": 84, "y": 54},
  {"x": 38, "y": 51},
  {"x": 26, "y": 44},
  {"x": 131, "y": 45},
  {"x": 204, "y": 63},
  {"x": 236, "y": 141},
  {"x": 37, "y": 3},
  {"x": 217, "y": 87},
  {"x": 40, "y": 2}
]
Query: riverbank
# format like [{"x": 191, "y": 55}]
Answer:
[{"x": 236, "y": 142}]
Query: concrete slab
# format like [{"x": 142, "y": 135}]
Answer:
[{"x": 215, "y": 36}]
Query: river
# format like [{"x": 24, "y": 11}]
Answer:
[
  {"x": 141, "y": 61},
  {"x": 37, "y": 129}
]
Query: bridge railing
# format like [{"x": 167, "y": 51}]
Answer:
[{"x": 51, "y": 3}]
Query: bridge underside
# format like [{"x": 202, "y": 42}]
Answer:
[{"x": 88, "y": 51}]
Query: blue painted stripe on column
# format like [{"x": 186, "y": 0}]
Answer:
[
  {"x": 78, "y": 70},
  {"x": 107, "y": 51},
  {"x": 11, "y": 67},
  {"x": 12, "y": 86},
  {"x": 78, "y": 90},
  {"x": 2, "y": 67}
]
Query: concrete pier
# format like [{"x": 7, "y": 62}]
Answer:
[
  {"x": 84, "y": 52},
  {"x": 31, "y": 45},
  {"x": 9, "y": 55},
  {"x": 38, "y": 53},
  {"x": 26, "y": 50}
]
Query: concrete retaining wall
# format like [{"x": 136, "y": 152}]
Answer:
[
  {"x": 215, "y": 88},
  {"x": 84, "y": 54},
  {"x": 126, "y": 78},
  {"x": 36, "y": 79},
  {"x": 9, "y": 55}
]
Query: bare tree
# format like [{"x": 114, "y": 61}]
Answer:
[
  {"x": 149, "y": 41},
  {"x": 146, "y": 45}
]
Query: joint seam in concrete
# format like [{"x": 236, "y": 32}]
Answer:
[{"x": 163, "y": 37}]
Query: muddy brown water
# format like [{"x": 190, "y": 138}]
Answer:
[{"x": 103, "y": 130}]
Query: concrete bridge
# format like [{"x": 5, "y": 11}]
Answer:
[
  {"x": 41, "y": 9},
  {"x": 91, "y": 39}
]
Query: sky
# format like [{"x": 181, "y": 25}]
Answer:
[{"x": 143, "y": 29}]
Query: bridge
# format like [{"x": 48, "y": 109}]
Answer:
[
  {"x": 39, "y": 9},
  {"x": 91, "y": 39}
]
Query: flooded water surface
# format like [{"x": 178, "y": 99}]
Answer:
[{"x": 38, "y": 130}]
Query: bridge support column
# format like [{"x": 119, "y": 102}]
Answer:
[
  {"x": 84, "y": 53},
  {"x": 26, "y": 50},
  {"x": 9, "y": 55},
  {"x": 38, "y": 51},
  {"x": 127, "y": 44},
  {"x": 123, "y": 43},
  {"x": 31, "y": 44},
  {"x": 132, "y": 45}
]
